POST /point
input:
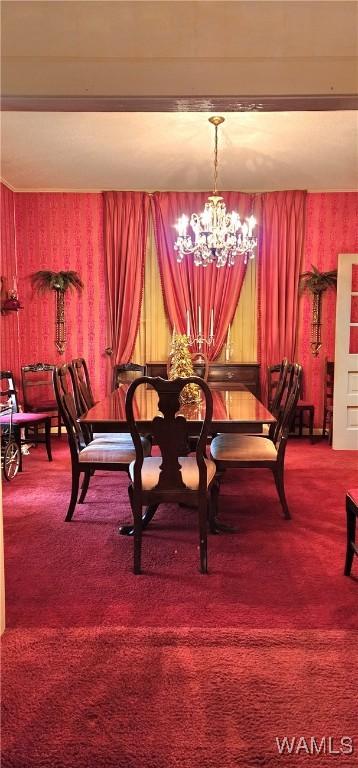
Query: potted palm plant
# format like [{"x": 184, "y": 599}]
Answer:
[
  {"x": 316, "y": 283},
  {"x": 60, "y": 282}
]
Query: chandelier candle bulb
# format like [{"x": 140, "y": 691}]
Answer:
[{"x": 199, "y": 321}]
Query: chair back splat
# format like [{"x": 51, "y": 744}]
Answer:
[
  {"x": 174, "y": 476},
  {"x": 284, "y": 420},
  {"x": 37, "y": 388},
  {"x": 83, "y": 390},
  {"x": 64, "y": 386}
]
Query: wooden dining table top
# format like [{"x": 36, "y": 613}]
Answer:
[{"x": 233, "y": 411}]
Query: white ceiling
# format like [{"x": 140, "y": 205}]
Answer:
[{"x": 174, "y": 151}]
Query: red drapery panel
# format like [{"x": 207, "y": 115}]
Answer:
[
  {"x": 185, "y": 286},
  {"x": 281, "y": 239},
  {"x": 125, "y": 231}
]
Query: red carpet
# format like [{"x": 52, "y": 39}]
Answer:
[{"x": 173, "y": 668}]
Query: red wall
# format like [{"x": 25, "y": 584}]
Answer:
[
  {"x": 331, "y": 229},
  {"x": 60, "y": 231}
]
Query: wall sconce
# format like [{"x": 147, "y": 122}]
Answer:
[{"x": 9, "y": 299}]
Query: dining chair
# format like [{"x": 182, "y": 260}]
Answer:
[
  {"x": 351, "y": 514},
  {"x": 125, "y": 373},
  {"x": 85, "y": 400},
  {"x": 23, "y": 420},
  {"x": 37, "y": 389},
  {"x": 174, "y": 476},
  {"x": 87, "y": 455},
  {"x": 303, "y": 408},
  {"x": 328, "y": 399},
  {"x": 248, "y": 451}
]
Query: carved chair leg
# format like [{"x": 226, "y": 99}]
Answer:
[
  {"x": 324, "y": 425},
  {"x": 311, "y": 424},
  {"x": 330, "y": 429},
  {"x": 74, "y": 494},
  {"x": 17, "y": 437},
  {"x": 48, "y": 438},
  {"x": 351, "y": 533},
  {"x": 213, "y": 507},
  {"x": 203, "y": 540},
  {"x": 59, "y": 424},
  {"x": 137, "y": 533},
  {"x": 279, "y": 481},
  {"x": 85, "y": 484}
]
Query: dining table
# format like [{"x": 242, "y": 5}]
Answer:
[{"x": 233, "y": 411}]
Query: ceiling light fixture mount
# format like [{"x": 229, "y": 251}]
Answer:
[{"x": 219, "y": 237}]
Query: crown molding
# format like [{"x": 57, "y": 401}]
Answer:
[{"x": 288, "y": 103}]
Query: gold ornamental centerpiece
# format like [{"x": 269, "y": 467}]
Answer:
[{"x": 182, "y": 366}]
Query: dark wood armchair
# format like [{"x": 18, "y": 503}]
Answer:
[
  {"x": 37, "y": 389},
  {"x": 174, "y": 476},
  {"x": 23, "y": 420},
  {"x": 257, "y": 451},
  {"x": 303, "y": 410}
]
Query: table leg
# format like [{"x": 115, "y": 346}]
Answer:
[{"x": 128, "y": 529}]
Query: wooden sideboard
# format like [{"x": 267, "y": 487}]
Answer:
[{"x": 228, "y": 375}]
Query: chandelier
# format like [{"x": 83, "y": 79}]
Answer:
[{"x": 218, "y": 236}]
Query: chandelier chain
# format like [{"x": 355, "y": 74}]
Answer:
[{"x": 216, "y": 161}]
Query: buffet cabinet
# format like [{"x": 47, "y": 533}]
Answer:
[{"x": 221, "y": 375}]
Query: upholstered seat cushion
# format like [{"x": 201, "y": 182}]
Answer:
[
  {"x": 189, "y": 472},
  {"x": 122, "y": 452},
  {"x": 242, "y": 448},
  {"x": 24, "y": 418},
  {"x": 111, "y": 437}
]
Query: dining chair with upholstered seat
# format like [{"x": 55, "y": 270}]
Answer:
[
  {"x": 23, "y": 420},
  {"x": 256, "y": 451},
  {"x": 303, "y": 408},
  {"x": 37, "y": 389},
  {"x": 87, "y": 455},
  {"x": 85, "y": 400},
  {"x": 174, "y": 476}
]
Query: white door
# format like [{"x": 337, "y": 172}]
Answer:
[{"x": 345, "y": 398}]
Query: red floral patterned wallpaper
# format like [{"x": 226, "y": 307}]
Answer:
[
  {"x": 62, "y": 231},
  {"x": 331, "y": 229}
]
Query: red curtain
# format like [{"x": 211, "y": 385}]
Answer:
[
  {"x": 281, "y": 240},
  {"x": 125, "y": 231},
  {"x": 185, "y": 286}
]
